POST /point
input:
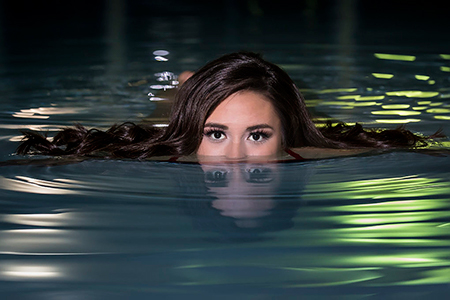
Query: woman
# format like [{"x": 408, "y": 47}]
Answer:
[{"x": 237, "y": 107}]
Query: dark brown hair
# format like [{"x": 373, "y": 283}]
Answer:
[{"x": 196, "y": 100}]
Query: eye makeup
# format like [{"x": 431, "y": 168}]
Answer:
[
  {"x": 259, "y": 136},
  {"x": 257, "y": 133},
  {"x": 214, "y": 134}
]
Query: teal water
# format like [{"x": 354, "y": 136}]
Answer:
[
  {"x": 133, "y": 229},
  {"x": 363, "y": 227}
]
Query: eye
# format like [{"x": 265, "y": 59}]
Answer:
[
  {"x": 258, "y": 136},
  {"x": 259, "y": 175},
  {"x": 255, "y": 137},
  {"x": 215, "y": 135},
  {"x": 216, "y": 178}
]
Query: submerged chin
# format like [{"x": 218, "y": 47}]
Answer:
[{"x": 202, "y": 158}]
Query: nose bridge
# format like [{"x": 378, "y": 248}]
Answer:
[{"x": 236, "y": 149}]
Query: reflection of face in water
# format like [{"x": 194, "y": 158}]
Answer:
[
  {"x": 242, "y": 201},
  {"x": 242, "y": 191}
]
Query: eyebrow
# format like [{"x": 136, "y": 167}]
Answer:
[
  {"x": 251, "y": 128},
  {"x": 216, "y": 125},
  {"x": 259, "y": 126}
]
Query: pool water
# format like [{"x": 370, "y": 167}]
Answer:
[{"x": 365, "y": 227}]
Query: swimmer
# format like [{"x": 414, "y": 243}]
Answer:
[{"x": 238, "y": 107}]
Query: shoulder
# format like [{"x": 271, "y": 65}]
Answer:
[{"x": 321, "y": 153}]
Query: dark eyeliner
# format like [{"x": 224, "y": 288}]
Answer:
[
  {"x": 264, "y": 134},
  {"x": 211, "y": 131}
]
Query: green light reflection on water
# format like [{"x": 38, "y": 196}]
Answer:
[
  {"x": 431, "y": 277},
  {"x": 413, "y": 94},
  {"x": 396, "y": 112},
  {"x": 396, "y": 106},
  {"x": 350, "y": 104},
  {"x": 342, "y": 90},
  {"x": 311, "y": 269},
  {"x": 401, "y": 242},
  {"x": 419, "y": 107},
  {"x": 398, "y": 121},
  {"x": 438, "y": 111},
  {"x": 442, "y": 117},
  {"x": 395, "y": 206},
  {"x": 361, "y": 98},
  {"x": 396, "y": 230},
  {"x": 409, "y": 258},
  {"x": 422, "y": 77},
  {"x": 393, "y": 242},
  {"x": 395, "y": 57},
  {"x": 398, "y": 187},
  {"x": 313, "y": 102},
  {"x": 382, "y": 75},
  {"x": 384, "y": 218}
]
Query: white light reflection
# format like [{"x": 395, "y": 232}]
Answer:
[
  {"x": 53, "y": 253},
  {"x": 160, "y": 52},
  {"x": 37, "y": 240},
  {"x": 15, "y": 272},
  {"x": 29, "y": 115},
  {"x": 31, "y": 127},
  {"x": 36, "y": 186},
  {"x": 46, "y": 241},
  {"x": 45, "y": 112},
  {"x": 157, "y": 99},
  {"x": 160, "y": 58},
  {"x": 47, "y": 231},
  {"x": 45, "y": 220},
  {"x": 18, "y": 138},
  {"x": 162, "y": 87},
  {"x": 165, "y": 76}
]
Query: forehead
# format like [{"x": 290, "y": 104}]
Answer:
[{"x": 244, "y": 106}]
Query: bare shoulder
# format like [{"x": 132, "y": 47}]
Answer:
[{"x": 319, "y": 153}]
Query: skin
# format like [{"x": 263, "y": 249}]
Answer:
[{"x": 244, "y": 126}]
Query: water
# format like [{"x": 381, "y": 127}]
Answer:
[{"x": 363, "y": 227}]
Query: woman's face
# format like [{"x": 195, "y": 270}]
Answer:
[{"x": 244, "y": 126}]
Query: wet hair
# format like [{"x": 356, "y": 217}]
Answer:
[{"x": 196, "y": 100}]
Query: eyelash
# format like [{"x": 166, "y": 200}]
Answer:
[
  {"x": 210, "y": 132},
  {"x": 263, "y": 134}
]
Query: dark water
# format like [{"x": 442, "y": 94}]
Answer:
[{"x": 364, "y": 227}]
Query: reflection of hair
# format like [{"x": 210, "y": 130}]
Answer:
[
  {"x": 196, "y": 100},
  {"x": 207, "y": 218}
]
